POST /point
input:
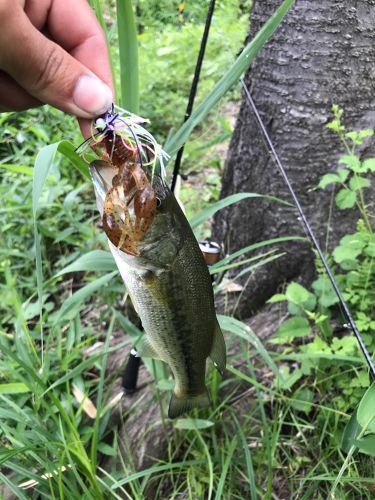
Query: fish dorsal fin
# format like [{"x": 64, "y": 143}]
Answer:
[
  {"x": 218, "y": 350},
  {"x": 148, "y": 351},
  {"x": 179, "y": 406}
]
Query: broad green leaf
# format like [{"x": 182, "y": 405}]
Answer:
[
  {"x": 192, "y": 423},
  {"x": 225, "y": 202},
  {"x": 343, "y": 174},
  {"x": 302, "y": 400},
  {"x": 345, "y": 198},
  {"x": 366, "y": 445},
  {"x": 352, "y": 161},
  {"x": 74, "y": 301},
  {"x": 128, "y": 46},
  {"x": 358, "y": 182},
  {"x": 278, "y": 297},
  {"x": 328, "y": 179},
  {"x": 14, "y": 388},
  {"x": 293, "y": 327},
  {"x": 368, "y": 132},
  {"x": 368, "y": 165},
  {"x": 296, "y": 293},
  {"x": 96, "y": 260},
  {"x": 351, "y": 432},
  {"x": 325, "y": 291},
  {"x": 230, "y": 78},
  {"x": 107, "y": 450},
  {"x": 17, "y": 169},
  {"x": 287, "y": 379},
  {"x": 366, "y": 409},
  {"x": 349, "y": 248}
]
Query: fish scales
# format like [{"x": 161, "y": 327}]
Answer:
[{"x": 175, "y": 308}]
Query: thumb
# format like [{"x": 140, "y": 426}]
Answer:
[{"x": 46, "y": 71}]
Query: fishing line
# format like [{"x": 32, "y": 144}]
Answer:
[
  {"x": 309, "y": 230},
  {"x": 193, "y": 88}
]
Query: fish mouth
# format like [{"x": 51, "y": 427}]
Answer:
[{"x": 102, "y": 174}]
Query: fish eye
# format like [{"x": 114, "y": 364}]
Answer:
[{"x": 158, "y": 202}]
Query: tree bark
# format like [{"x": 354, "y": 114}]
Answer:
[{"x": 323, "y": 53}]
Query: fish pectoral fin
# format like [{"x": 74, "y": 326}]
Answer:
[
  {"x": 178, "y": 406},
  {"x": 148, "y": 351},
  {"x": 218, "y": 350}
]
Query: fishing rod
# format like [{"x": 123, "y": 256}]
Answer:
[
  {"x": 194, "y": 87},
  {"x": 308, "y": 228},
  {"x": 130, "y": 374}
]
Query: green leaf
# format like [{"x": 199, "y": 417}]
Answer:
[
  {"x": 189, "y": 424},
  {"x": 345, "y": 198},
  {"x": 292, "y": 328},
  {"x": 366, "y": 445},
  {"x": 302, "y": 400},
  {"x": 350, "y": 248},
  {"x": 343, "y": 174},
  {"x": 17, "y": 169},
  {"x": 74, "y": 301},
  {"x": 96, "y": 260},
  {"x": 243, "y": 331},
  {"x": 107, "y": 450},
  {"x": 352, "y": 161},
  {"x": 225, "y": 202},
  {"x": 328, "y": 179},
  {"x": 296, "y": 293},
  {"x": 368, "y": 165},
  {"x": 325, "y": 291},
  {"x": 356, "y": 183},
  {"x": 366, "y": 410},
  {"x": 128, "y": 46},
  {"x": 230, "y": 78},
  {"x": 351, "y": 432},
  {"x": 44, "y": 161},
  {"x": 278, "y": 297},
  {"x": 14, "y": 388}
]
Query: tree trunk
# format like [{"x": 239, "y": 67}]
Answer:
[{"x": 323, "y": 53}]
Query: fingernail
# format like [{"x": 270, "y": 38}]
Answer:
[{"x": 92, "y": 95}]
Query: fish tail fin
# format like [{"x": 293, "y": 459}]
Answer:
[
  {"x": 178, "y": 406},
  {"x": 218, "y": 350}
]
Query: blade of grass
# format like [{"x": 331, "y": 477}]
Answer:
[
  {"x": 78, "y": 297},
  {"x": 128, "y": 46},
  {"x": 17, "y": 169},
  {"x": 220, "y": 487},
  {"x": 255, "y": 246},
  {"x": 249, "y": 462},
  {"x": 231, "y": 77},
  {"x": 225, "y": 202},
  {"x": 243, "y": 331},
  {"x": 95, "y": 436},
  {"x": 97, "y": 260}
]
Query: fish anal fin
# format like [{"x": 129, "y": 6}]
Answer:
[
  {"x": 179, "y": 406},
  {"x": 218, "y": 350},
  {"x": 148, "y": 351}
]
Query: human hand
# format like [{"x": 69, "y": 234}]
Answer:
[{"x": 53, "y": 52}]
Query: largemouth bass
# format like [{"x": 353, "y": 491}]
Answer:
[{"x": 170, "y": 287}]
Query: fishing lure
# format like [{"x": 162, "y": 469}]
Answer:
[{"x": 130, "y": 204}]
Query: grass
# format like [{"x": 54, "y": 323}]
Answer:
[{"x": 260, "y": 439}]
